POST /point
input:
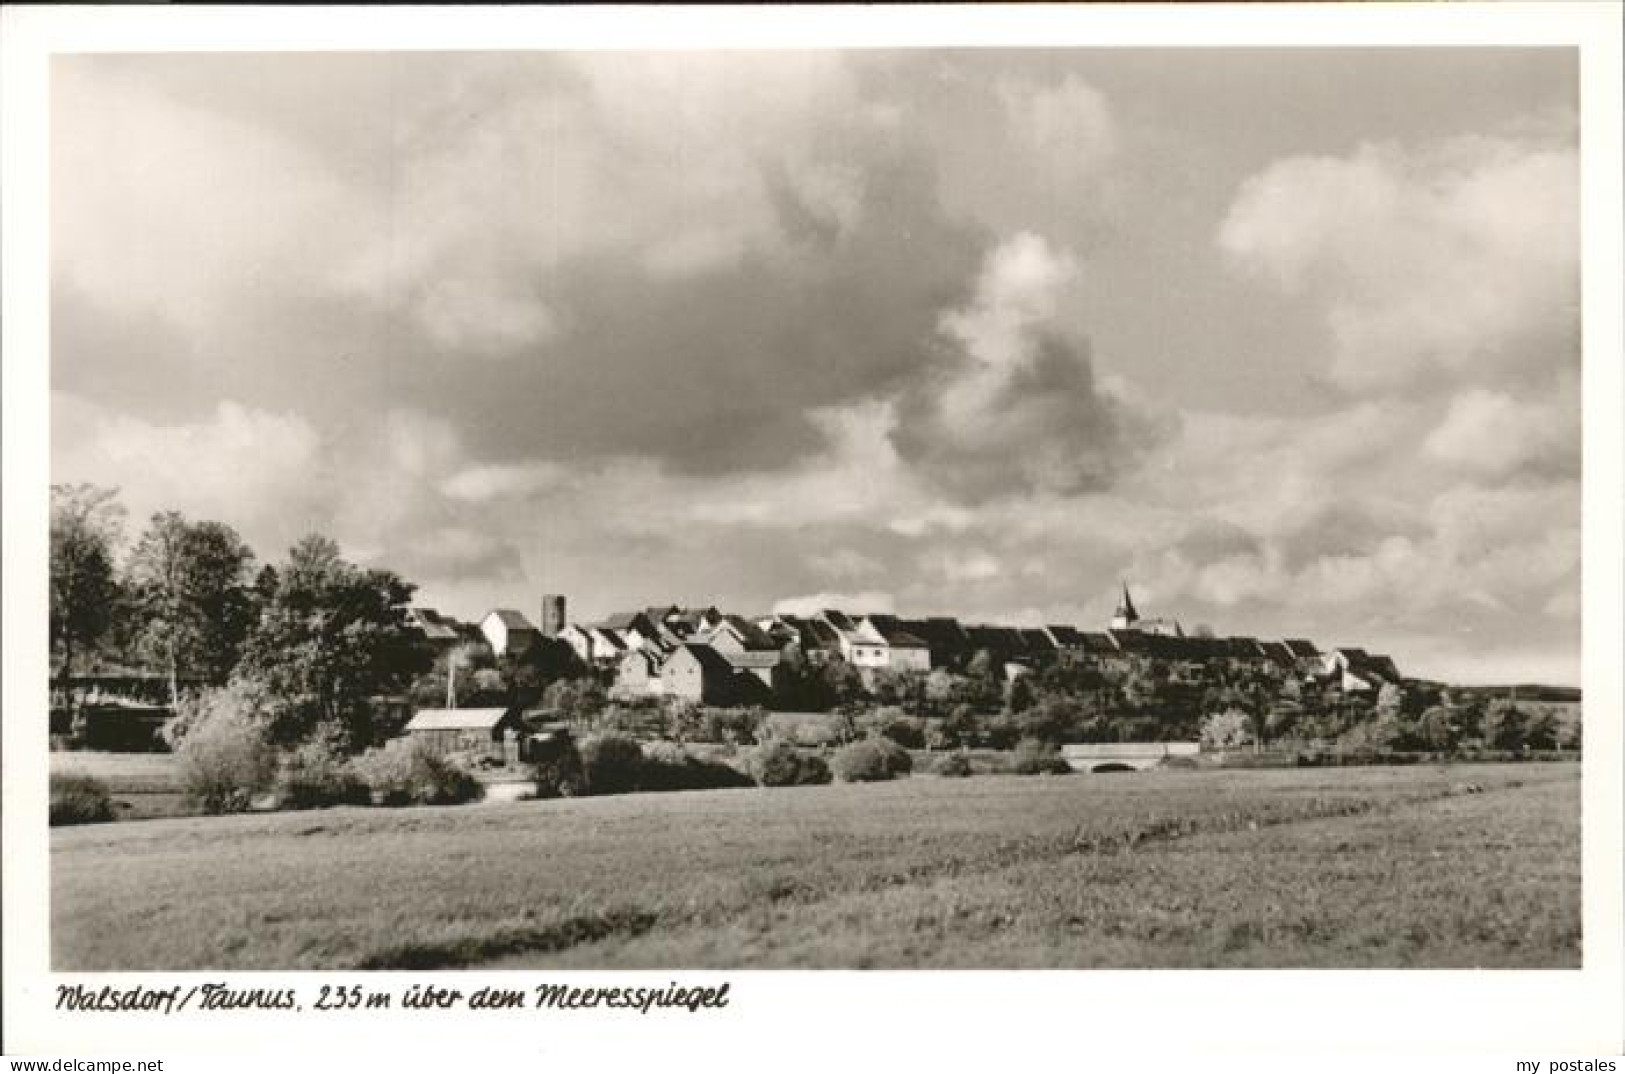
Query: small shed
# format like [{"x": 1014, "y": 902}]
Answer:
[{"x": 489, "y": 732}]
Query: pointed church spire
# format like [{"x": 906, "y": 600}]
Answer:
[
  {"x": 1126, "y": 616},
  {"x": 1127, "y": 609}
]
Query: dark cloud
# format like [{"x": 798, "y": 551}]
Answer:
[
  {"x": 1046, "y": 427},
  {"x": 714, "y": 371}
]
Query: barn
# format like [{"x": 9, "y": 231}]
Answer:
[{"x": 493, "y": 733}]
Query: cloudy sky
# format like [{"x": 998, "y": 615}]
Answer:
[{"x": 1289, "y": 340}]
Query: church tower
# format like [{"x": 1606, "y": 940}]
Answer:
[{"x": 1126, "y": 616}]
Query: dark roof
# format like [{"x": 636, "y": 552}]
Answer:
[
  {"x": 839, "y": 620},
  {"x": 611, "y": 635},
  {"x": 942, "y": 633},
  {"x": 711, "y": 662},
  {"x": 511, "y": 619},
  {"x": 817, "y": 634},
  {"x": 432, "y": 625},
  {"x": 1301, "y": 649},
  {"x": 996, "y": 638},
  {"x": 1067, "y": 637},
  {"x": 891, "y": 628},
  {"x": 1098, "y": 642},
  {"x": 751, "y": 636},
  {"x": 1037, "y": 641}
]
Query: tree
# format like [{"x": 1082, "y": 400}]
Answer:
[
  {"x": 85, "y": 525},
  {"x": 1505, "y": 725},
  {"x": 332, "y": 637},
  {"x": 189, "y": 585},
  {"x": 1437, "y": 728}
]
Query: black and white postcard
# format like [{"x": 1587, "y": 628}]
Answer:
[{"x": 528, "y": 513}]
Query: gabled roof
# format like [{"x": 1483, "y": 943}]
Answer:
[
  {"x": 815, "y": 634},
  {"x": 890, "y": 628},
  {"x": 1098, "y": 642},
  {"x": 1066, "y": 637},
  {"x": 711, "y": 662},
  {"x": 1278, "y": 652},
  {"x": 1301, "y": 649},
  {"x": 749, "y": 634},
  {"x": 651, "y": 659},
  {"x": 456, "y": 719},
  {"x": 432, "y": 625},
  {"x": 609, "y": 636},
  {"x": 622, "y": 620},
  {"x": 511, "y": 619},
  {"x": 941, "y": 632},
  {"x": 839, "y": 620},
  {"x": 1037, "y": 641}
]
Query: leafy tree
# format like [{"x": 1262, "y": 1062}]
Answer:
[
  {"x": 843, "y": 682},
  {"x": 1505, "y": 725},
  {"x": 332, "y": 637},
  {"x": 578, "y": 700},
  {"x": 188, "y": 583},
  {"x": 85, "y": 525},
  {"x": 1436, "y": 728},
  {"x": 1542, "y": 732},
  {"x": 1020, "y": 696},
  {"x": 1226, "y": 730}
]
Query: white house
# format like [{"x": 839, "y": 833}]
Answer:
[{"x": 508, "y": 631}]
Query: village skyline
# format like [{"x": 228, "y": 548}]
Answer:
[{"x": 1287, "y": 339}]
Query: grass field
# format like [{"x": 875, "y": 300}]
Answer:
[
  {"x": 142, "y": 785},
  {"x": 1460, "y": 866}
]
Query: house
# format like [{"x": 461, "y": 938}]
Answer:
[
  {"x": 1000, "y": 642},
  {"x": 580, "y": 639},
  {"x": 638, "y": 674},
  {"x": 699, "y": 673},
  {"x": 1358, "y": 671},
  {"x": 879, "y": 641},
  {"x": 817, "y": 640},
  {"x": 439, "y": 633},
  {"x": 1304, "y": 654},
  {"x": 634, "y": 630},
  {"x": 607, "y": 645},
  {"x": 945, "y": 638},
  {"x": 746, "y": 647},
  {"x": 493, "y": 733},
  {"x": 508, "y": 631}
]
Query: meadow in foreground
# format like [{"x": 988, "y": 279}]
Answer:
[{"x": 1349, "y": 867}]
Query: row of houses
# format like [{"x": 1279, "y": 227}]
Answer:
[{"x": 715, "y": 657}]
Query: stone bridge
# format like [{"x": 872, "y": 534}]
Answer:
[{"x": 1125, "y": 756}]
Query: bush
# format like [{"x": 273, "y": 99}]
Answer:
[
  {"x": 1034, "y": 757},
  {"x": 741, "y": 726},
  {"x": 779, "y": 764},
  {"x": 403, "y": 772},
  {"x": 558, "y": 767},
  {"x": 906, "y": 731},
  {"x": 955, "y": 764},
  {"x": 1226, "y": 730},
  {"x": 611, "y": 764},
  {"x": 667, "y": 766},
  {"x": 77, "y": 799},
  {"x": 872, "y": 760},
  {"x": 315, "y": 775},
  {"x": 225, "y": 759}
]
